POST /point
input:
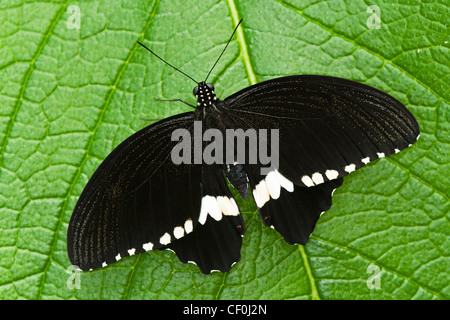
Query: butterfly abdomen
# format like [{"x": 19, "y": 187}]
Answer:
[{"x": 238, "y": 178}]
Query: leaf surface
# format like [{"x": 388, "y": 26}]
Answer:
[{"x": 69, "y": 96}]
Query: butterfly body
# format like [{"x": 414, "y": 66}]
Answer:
[
  {"x": 206, "y": 98},
  {"x": 237, "y": 177}
]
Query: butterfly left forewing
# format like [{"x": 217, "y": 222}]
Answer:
[{"x": 137, "y": 200}]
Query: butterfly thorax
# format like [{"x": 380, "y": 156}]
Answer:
[
  {"x": 208, "y": 105},
  {"x": 205, "y": 95}
]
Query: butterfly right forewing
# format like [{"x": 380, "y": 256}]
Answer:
[{"x": 328, "y": 126}]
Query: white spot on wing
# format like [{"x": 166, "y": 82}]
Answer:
[
  {"x": 216, "y": 207},
  {"x": 317, "y": 178},
  {"x": 397, "y": 150},
  {"x": 270, "y": 187},
  {"x": 261, "y": 193},
  {"x": 284, "y": 182},
  {"x": 380, "y": 154},
  {"x": 234, "y": 208},
  {"x": 118, "y": 257},
  {"x": 131, "y": 251},
  {"x": 165, "y": 239},
  {"x": 228, "y": 206},
  {"x": 148, "y": 246},
  {"x": 188, "y": 226},
  {"x": 307, "y": 181},
  {"x": 350, "y": 168},
  {"x": 211, "y": 207},
  {"x": 273, "y": 185},
  {"x": 178, "y": 232},
  {"x": 365, "y": 160},
  {"x": 332, "y": 174}
]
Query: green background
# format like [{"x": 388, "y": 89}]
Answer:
[{"x": 69, "y": 96}]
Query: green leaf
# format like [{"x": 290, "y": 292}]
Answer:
[{"x": 69, "y": 96}]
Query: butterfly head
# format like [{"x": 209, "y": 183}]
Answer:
[{"x": 205, "y": 95}]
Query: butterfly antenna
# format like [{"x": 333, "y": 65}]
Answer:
[
  {"x": 223, "y": 49},
  {"x": 168, "y": 63}
]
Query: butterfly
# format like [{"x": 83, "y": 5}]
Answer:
[{"x": 139, "y": 199}]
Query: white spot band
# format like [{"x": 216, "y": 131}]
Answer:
[
  {"x": 270, "y": 187},
  {"x": 216, "y": 207}
]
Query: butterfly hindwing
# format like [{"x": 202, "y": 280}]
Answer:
[
  {"x": 217, "y": 240},
  {"x": 295, "y": 212},
  {"x": 290, "y": 209}
]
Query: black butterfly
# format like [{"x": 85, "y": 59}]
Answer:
[{"x": 139, "y": 200}]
